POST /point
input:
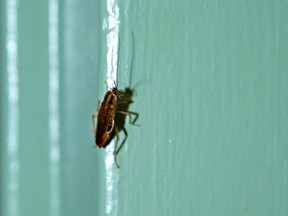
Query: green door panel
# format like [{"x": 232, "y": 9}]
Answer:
[{"x": 210, "y": 81}]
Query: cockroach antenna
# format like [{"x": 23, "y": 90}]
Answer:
[
  {"x": 118, "y": 60},
  {"x": 132, "y": 61}
]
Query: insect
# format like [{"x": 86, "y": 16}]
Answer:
[
  {"x": 112, "y": 114},
  {"x": 105, "y": 118}
]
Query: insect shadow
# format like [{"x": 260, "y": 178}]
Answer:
[
  {"x": 124, "y": 100},
  {"x": 117, "y": 109}
]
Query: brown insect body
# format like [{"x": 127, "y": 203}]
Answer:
[
  {"x": 105, "y": 118},
  {"x": 123, "y": 103}
]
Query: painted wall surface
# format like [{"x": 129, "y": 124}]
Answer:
[{"x": 211, "y": 87}]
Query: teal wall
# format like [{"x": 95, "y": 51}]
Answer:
[{"x": 211, "y": 81}]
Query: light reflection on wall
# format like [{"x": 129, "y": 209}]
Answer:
[
  {"x": 13, "y": 110},
  {"x": 112, "y": 61},
  {"x": 54, "y": 110}
]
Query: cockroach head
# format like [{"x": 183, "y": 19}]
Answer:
[{"x": 115, "y": 91}]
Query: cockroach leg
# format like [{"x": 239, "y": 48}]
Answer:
[
  {"x": 130, "y": 113},
  {"x": 123, "y": 142},
  {"x": 99, "y": 105},
  {"x": 135, "y": 119},
  {"x": 115, "y": 148},
  {"x": 94, "y": 116}
]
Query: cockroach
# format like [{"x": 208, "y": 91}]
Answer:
[
  {"x": 105, "y": 118},
  {"x": 112, "y": 113}
]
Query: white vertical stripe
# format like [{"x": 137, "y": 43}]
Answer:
[
  {"x": 112, "y": 57},
  {"x": 54, "y": 109},
  {"x": 13, "y": 109}
]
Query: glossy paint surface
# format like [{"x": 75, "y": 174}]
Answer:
[{"x": 211, "y": 89}]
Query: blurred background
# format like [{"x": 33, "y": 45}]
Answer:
[{"x": 210, "y": 80}]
